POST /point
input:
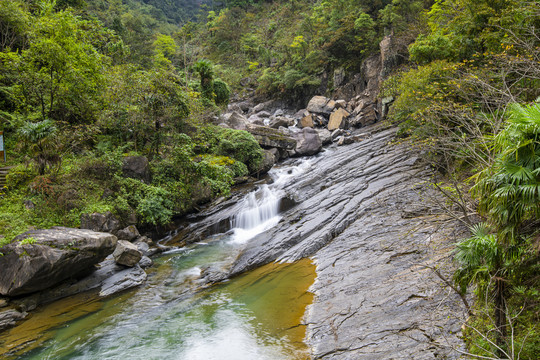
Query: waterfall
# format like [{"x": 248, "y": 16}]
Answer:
[
  {"x": 260, "y": 211},
  {"x": 257, "y": 211}
]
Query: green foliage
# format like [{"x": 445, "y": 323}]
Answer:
[
  {"x": 401, "y": 14},
  {"x": 59, "y": 74},
  {"x": 164, "y": 50},
  {"x": 509, "y": 190},
  {"x": 38, "y": 138},
  {"x": 222, "y": 92},
  {"x": 14, "y": 25},
  {"x": 416, "y": 90},
  {"x": 432, "y": 47},
  {"x": 155, "y": 207},
  {"x": 239, "y": 145},
  {"x": 205, "y": 69},
  {"x": 478, "y": 257},
  {"x": 29, "y": 240}
]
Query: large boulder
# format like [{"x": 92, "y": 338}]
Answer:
[
  {"x": 268, "y": 161},
  {"x": 317, "y": 105},
  {"x": 136, "y": 167},
  {"x": 99, "y": 222},
  {"x": 325, "y": 136},
  {"x": 39, "y": 259},
  {"x": 367, "y": 116},
  {"x": 337, "y": 119},
  {"x": 271, "y": 138},
  {"x": 263, "y": 106},
  {"x": 126, "y": 253},
  {"x": 281, "y": 121},
  {"x": 307, "y": 142},
  {"x": 129, "y": 233},
  {"x": 235, "y": 120}
]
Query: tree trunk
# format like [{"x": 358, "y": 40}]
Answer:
[{"x": 500, "y": 314}]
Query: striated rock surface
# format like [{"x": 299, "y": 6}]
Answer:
[
  {"x": 9, "y": 318},
  {"x": 117, "y": 278},
  {"x": 373, "y": 297},
  {"x": 48, "y": 257}
]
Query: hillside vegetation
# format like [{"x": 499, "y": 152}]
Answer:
[{"x": 85, "y": 84}]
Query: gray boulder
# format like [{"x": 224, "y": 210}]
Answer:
[
  {"x": 307, "y": 142},
  {"x": 263, "y": 114},
  {"x": 235, "y": 120},
  {"x": 99, "y": 222},
  {"x": 118, "y": 278},
  {"x": 136, "y": 167},
  {"x": 262, "y": 106},
  {"x": 276, "y": 122},
  {"x": 317, "y": 105},
  {"x": 254, "y": 118},
  {"x": 367, "y": 116},
  {"x": 126, "y": 253},
  {"x": 8, "y": 318},
  {"x": 325, "y": 136},
  {"x": 268, "y": 161},
  {"x": 39, "y": 259},
  {"x": 300, "y": 114},
  {"x": 146, "y": 262},
  {"x": 129, "y": 233}
]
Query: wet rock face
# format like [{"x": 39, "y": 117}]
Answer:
[
  {"x": 48, "y": 257},
  {"x": 10, "y": 317},
  {"x": 373, "y": 299}
]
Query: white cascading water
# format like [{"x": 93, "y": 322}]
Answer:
[{"x": 261, "y": 211}]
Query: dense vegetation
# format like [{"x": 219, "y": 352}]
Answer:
[
  {"x": 84, "y": 84},
  {"x": 75, "y": 101},
  {"x": 470, "y": 96}
]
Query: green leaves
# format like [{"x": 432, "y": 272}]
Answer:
[
  {"x": 478, "y": 257},
  {"x": 509, "y": 191}
]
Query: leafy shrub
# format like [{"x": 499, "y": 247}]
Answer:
[
  {"x": 239, "y": 145},
  {"x": 155, "y": 207},
  {"x": 428, "y": 48},
  {"x": 222, "y": 92}
]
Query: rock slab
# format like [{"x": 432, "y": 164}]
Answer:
[{"x": 39, "y": 259}]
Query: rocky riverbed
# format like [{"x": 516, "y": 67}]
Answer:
[{"x": 362, "y": 212}]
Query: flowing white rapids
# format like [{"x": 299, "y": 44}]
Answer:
[
  {"x": 261, "y": 207},
  {"x": 261, "y": 213}
]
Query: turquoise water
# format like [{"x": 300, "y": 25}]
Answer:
[{"x": 171, "y": 317}]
